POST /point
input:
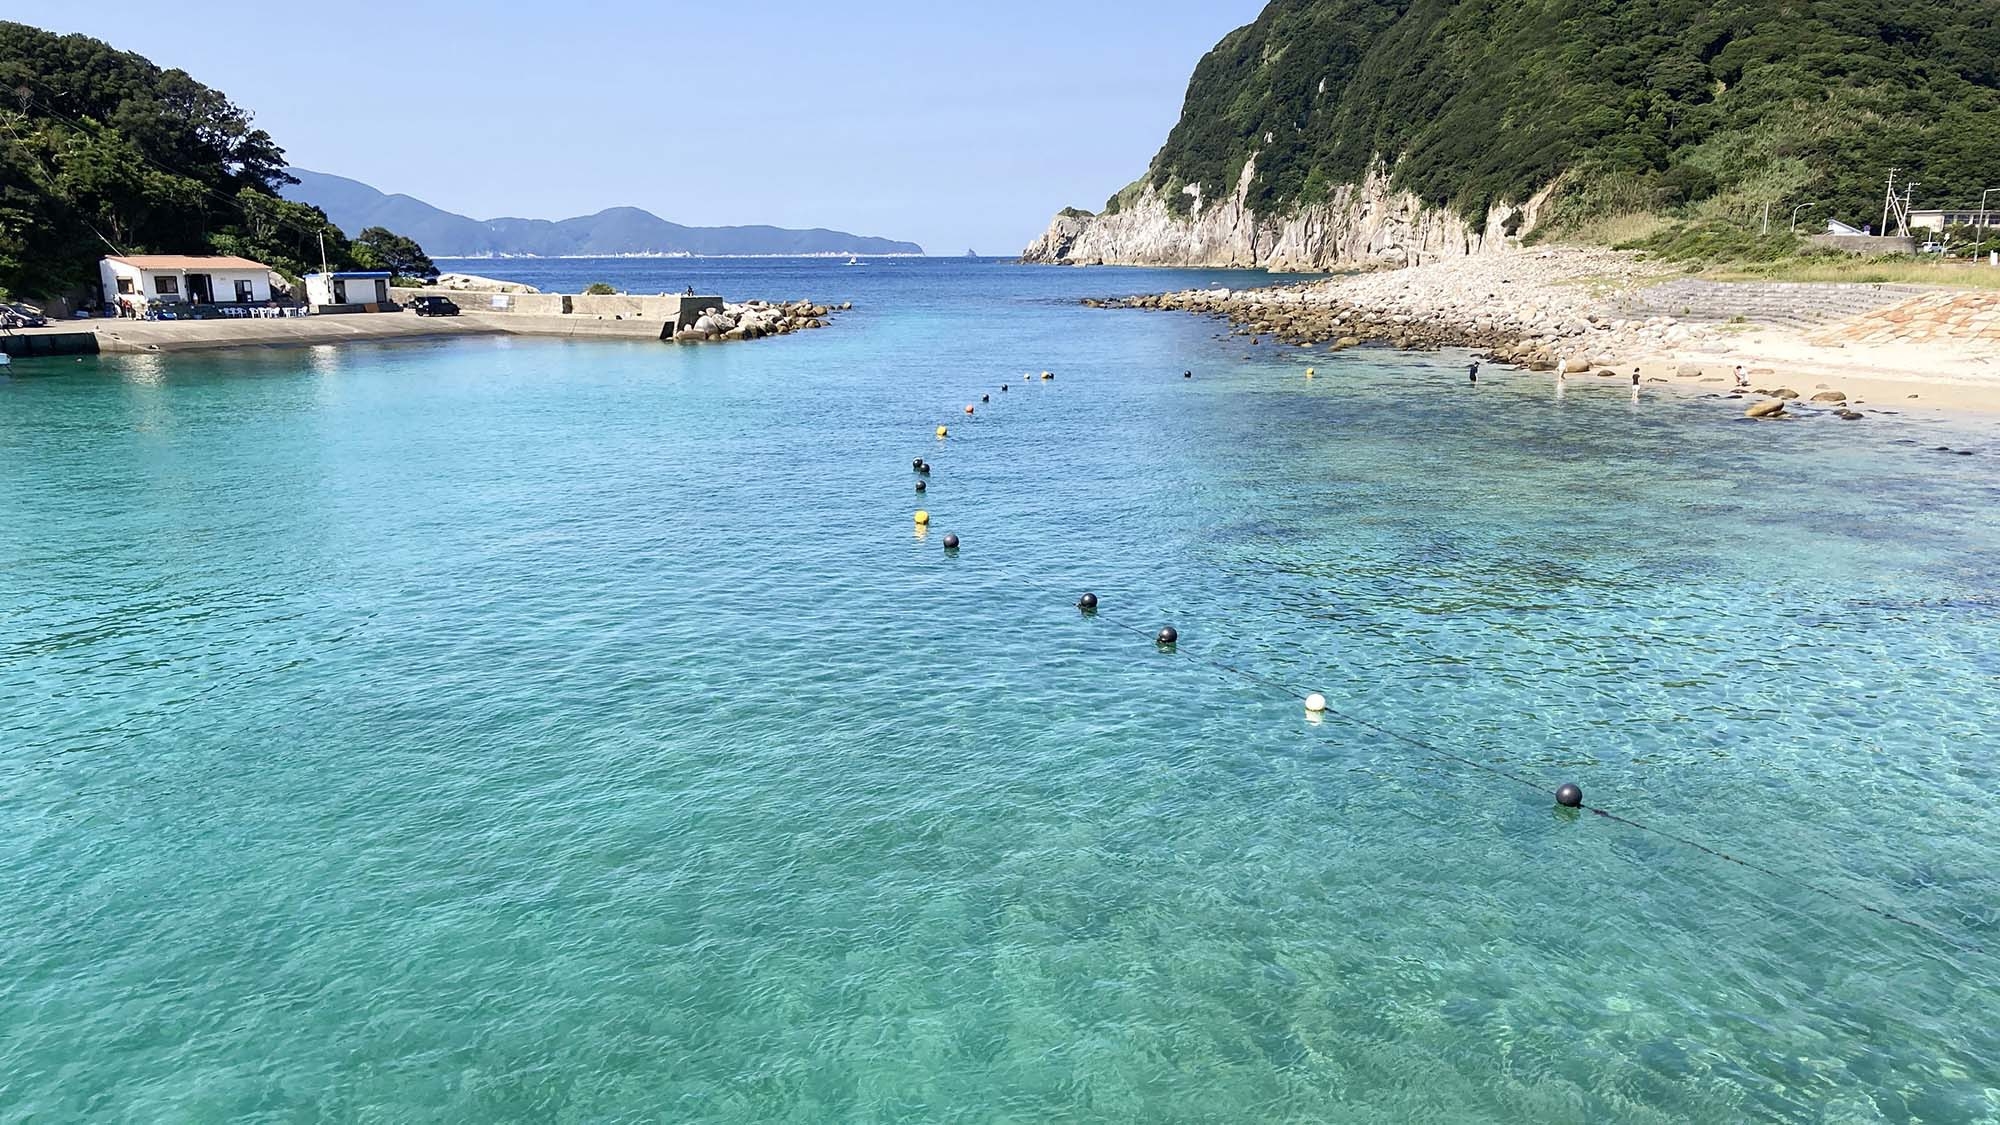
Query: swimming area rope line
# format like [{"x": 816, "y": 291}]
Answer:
[{"x": 1404, "y": 738}]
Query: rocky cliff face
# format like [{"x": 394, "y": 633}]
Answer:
[{"x": 1369, "y": 223}]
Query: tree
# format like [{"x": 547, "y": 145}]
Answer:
[
  {"x": 102, "y": 152},
  {"x": 599, "y": 289},
  {"x": 284, "y": 235},
  {"x": 379, "y": 248}
]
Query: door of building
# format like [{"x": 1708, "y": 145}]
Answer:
[
  {"x": 244, "y": 291},
  {"x": 381, "y": 292},
  {"x": 200, "y": 289}
]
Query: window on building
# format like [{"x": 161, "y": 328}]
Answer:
[
  {"x": 167, "y": 286},
  {"x": 243, "y": 290},
  {"x": 125, "y": 286}
]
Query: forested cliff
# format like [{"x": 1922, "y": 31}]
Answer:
[
  {"x": 1335, "y": 130},
  {"x": 102, "y": 152}
]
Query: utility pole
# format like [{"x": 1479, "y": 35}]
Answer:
[
  {"x": 1888, "y": 201},
  {"x": 1983, "y": 224},
  {"x": 1767, "y": 217},
  {"x": 1903, "y": 215},
  {"x": 1795, "y": 215}
]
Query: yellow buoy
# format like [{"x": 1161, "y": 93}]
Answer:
[
  {"x": 1046, "y": 375},
  {"x": 942, "y": 431},
  {"x": 923, "y": 516},
  {"x": 1309, "y": 372}
]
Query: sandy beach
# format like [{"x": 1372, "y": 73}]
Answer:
[{"x": 1946, "y": 375}]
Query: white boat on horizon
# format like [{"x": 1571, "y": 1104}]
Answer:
[{"x": 853, "y": 261}]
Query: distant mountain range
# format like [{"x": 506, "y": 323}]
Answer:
[{"x": 354, "y": 206}]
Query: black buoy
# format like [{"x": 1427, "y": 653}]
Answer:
[
  {"x": 1570, "y": 796},
  {"x": 986, "y": 398},
  {"x": 1003, "y": 386},
  {"x": 924, "y": 468},
  {"x": 951, "y": 542},
  {"x": 917, "y": 464},
  {"x": 1168, "y": 636},
  {"x": 1187, "y": 374},
  {"x": 1087, "y": 603},
  {"x": 921, "y": 486}
]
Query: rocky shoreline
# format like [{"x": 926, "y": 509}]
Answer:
[
  {"x": 1535, "y": 310},
  {"x": 1584, "y": 310}
]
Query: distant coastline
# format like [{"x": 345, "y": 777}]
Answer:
[
  {"x": 659, "y": 255},
  {"x": 614, "y": 232}
]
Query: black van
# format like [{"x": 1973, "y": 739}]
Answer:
[{"x": 433, "y": 306}]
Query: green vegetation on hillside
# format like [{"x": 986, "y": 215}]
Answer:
[
  {"x": 1691, "y": 109},
  {"x": 379, "y": 248},
  {"x": 102, "y": 152}
]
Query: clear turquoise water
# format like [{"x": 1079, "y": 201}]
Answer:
[{"x": 524, "y": 730}]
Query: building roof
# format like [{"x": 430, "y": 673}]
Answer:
[
  {"x": 350, "y": 275},
  {"x": 186, "y": 262}
]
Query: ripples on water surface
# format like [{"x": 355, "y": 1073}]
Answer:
[{"x": 515, "y": 729}]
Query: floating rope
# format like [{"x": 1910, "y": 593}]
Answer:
[{"x": 1391, "y": 733}]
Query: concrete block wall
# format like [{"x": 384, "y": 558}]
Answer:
[
  {"x": 1796, "y": 303},
  {"x": 1864, "y": 244},
  {"x": 630, "y": 306}
]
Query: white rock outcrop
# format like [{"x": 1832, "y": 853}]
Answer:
[
  {"x": 1370, "y": 223},
  {"x": 473, "y": 283}
]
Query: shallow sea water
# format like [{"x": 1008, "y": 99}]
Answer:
[{"x": 491, "y": 730}]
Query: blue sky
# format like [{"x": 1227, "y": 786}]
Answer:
[{"x": 953, "y": 124}]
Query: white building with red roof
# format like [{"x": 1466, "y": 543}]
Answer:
[{"x": 135, "y": 280}]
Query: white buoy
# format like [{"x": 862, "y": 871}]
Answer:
[{"x": 1315, "y": 703}]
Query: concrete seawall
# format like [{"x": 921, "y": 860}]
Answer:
[
  {"x": 615, "y": 317},
  {"x": 148, "y": 336},
  {"x": 25, "y": 343}
]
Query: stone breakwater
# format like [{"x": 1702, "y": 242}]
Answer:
[
  {"x": 1534, "y": 309},
  {"x": 753, "y": 320}
]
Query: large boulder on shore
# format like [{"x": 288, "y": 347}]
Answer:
[
  {"x": 1769, "y": 408},
  {"x": 473, "y": 283}
]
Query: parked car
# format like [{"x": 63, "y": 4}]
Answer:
[
  {"x": 21, "y": 316},
  {"x": 433, "y": 306}
]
